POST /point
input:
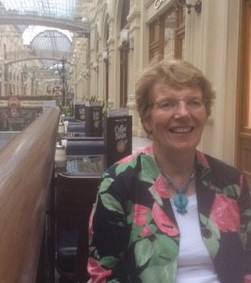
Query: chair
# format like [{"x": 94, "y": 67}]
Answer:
[
  {"x": 85, "y": 156},
  {"x": 85, "y": 147},
  {"x": 74, "y": 200},
  {"x": 76, "y": 129}
]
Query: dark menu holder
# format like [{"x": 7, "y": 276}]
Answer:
[
  {"x": 118, "y": 138},
  {"x": 93, "y": 121},
  {"x": 80, "y": 112}
]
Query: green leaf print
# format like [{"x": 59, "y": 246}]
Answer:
[
  {"x": 106, "y": 183},
  {"x": 167, "y": 249},
  {"x": 136, "y": 234},
  {"x": 211, "y": 238},
  {"x": 159, "y": 274},
  {"x": 149, "y": 168},
  {"x": 109, "y": 261},
  {"x": 204, "y": 172},
  {"x": 156, "y": 253},
  {"x": 144, "y": 177},
  {"x": 156, "y": 196},
  {"x": 153, "y": 228},
  {"x": 111, "y": 203},
  {"x": 232, "y": 191},
  {"x": 120, "y": 168},
  {"x": 143, "y": 251},
  {"x": 247, "y": 213}
]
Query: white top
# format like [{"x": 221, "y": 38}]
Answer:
[{"x": 194, "y": 264}]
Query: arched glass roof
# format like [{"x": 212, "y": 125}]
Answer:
[
  {"x": 56, "y": 8},
  {"x": 46, "y": 39}
]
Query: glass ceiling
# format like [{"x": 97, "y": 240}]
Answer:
[
  {"x": 56, "y": 8},
  {"x": 42, "y": 38}
]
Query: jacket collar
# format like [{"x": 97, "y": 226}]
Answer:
[
  {"x": 204, "y": 184},
  {"x": 204, "y": 180}
]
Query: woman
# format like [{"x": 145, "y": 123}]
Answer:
[{"x": 171, "y": 213}]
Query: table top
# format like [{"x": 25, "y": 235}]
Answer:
[{"x": 82, "y": 164}]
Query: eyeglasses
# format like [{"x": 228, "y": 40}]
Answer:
[{"x": 171, "y": 105}]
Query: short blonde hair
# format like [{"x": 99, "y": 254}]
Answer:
[{"x": 176, "y": 74}]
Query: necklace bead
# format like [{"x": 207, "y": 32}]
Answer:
[
  {"x": 180, "y": 199},
  {"x": 181, "y": 202}
]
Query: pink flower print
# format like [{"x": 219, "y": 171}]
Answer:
[
  {"x": 97, "y": 272},
  {"x": 129, "y": 158},
  {"x": 163, "y": 222},
  {"x": 225, "y": 213},
  {"x": 147, "y": 150},
  {"x": 146, "y": 231},
  {"x": 140, "y": 219},
  {"x": 140, "y": 214},
  {"x": 126, "y": 159},
  {"x": 160, "y": 187},
  {"x": 247, "y": 278},
  {"x": 202, "y": 159}
]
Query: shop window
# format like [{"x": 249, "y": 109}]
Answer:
[{"x": 167, "y": 35}]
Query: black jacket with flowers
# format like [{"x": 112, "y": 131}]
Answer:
[{"x": 134, "y": 236}]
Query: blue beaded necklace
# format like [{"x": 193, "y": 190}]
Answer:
[{"x": 180, "y": 199}]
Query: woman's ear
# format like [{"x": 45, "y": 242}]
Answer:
[{"x": 147, "y": 125}]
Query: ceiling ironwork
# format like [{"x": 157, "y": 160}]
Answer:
[{"x": 42, "y": 31}]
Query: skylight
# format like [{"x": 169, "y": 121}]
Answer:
[
  {"x": 32, "y": 31},
  {"x": 58, "y": 8}
]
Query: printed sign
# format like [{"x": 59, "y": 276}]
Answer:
[
  {"x": 118, "y": 138},
  {"x": 93, "y": 121}
]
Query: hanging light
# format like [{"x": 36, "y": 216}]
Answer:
[{"x": 196, "y": 6}]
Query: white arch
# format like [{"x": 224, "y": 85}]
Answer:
[{"x": 32, "y": 31}]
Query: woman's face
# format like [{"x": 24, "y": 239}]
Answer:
[{"x": 177, "y": 118}]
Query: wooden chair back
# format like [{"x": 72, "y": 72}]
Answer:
[{"x": 75, "y": 196}]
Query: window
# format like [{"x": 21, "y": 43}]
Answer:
[{"x": 167, "y": 35}]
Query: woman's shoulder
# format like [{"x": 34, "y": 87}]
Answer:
[
  {"x": 221, "y": 168},
  {"x": 133, "y": 162}
]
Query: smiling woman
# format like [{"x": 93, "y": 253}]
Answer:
[
  {"x": 177, "y": 121},
  {"x": 170, "y": 200}
]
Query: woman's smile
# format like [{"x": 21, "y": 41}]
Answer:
[
  {"x": 177, "y": 118},
  {"x": 181, "y": 129}
]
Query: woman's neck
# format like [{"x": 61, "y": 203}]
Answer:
[{"x": 175, "y": 165}]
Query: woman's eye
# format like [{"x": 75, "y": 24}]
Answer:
[
  {"x": 167, "y": 104},
  {"x": 195, "y": 103}
]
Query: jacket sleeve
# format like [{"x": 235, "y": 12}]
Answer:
[
  {"x": 245, "y": 206},
  {"x": 108, "y": 233}
]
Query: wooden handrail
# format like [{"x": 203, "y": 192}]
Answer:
[{"x": 26, "y": 166}]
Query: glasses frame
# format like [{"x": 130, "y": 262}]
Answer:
[{"x": 171, "y": 105}]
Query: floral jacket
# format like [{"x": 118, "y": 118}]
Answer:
[{"x": 134, "y": 236}]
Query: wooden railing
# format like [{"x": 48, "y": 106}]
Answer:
[{"x": 26, "y": 166}]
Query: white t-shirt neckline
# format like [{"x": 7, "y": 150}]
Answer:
[{"x": 195, "y": 264}]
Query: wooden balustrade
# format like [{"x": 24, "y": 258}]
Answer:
[{"x": 26, "y": 168}]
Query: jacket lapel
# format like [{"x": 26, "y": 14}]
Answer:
[{"x": 204, "y": 185}]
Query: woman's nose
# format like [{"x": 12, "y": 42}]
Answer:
[{"x": 182, "y": 108}]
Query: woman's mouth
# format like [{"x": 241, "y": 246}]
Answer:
[{"x": 181, "y": 130}]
